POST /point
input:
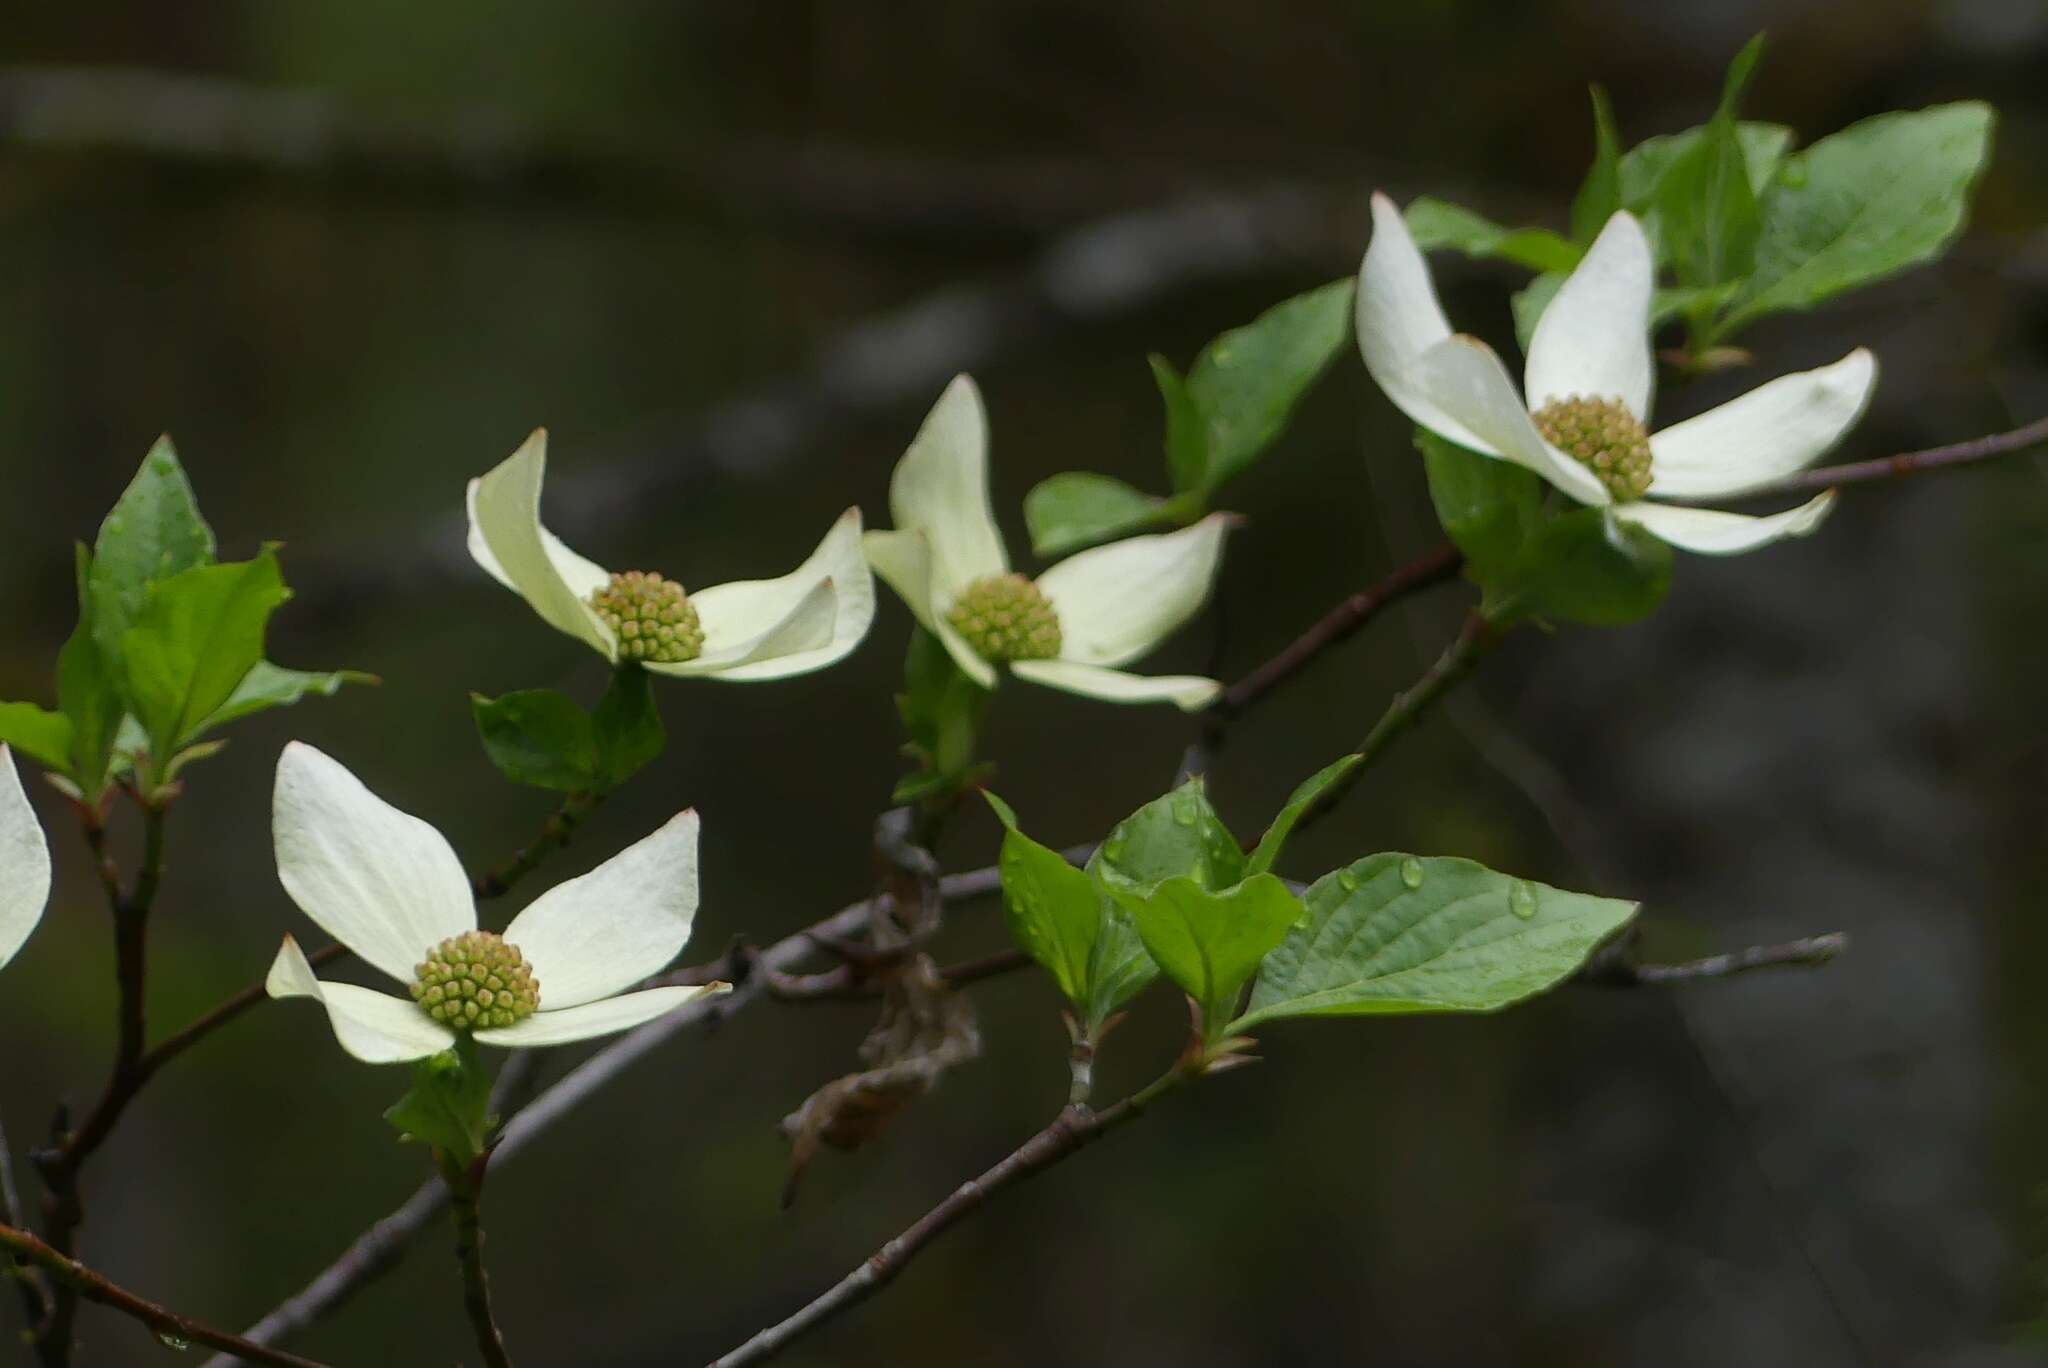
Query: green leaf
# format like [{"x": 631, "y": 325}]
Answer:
[
  {"x": 1399, "y": 933},
  {"x": 626, "y": 727},
  {"x": 38, "y": 733},
  {"x": 1641, "y": 168},
  {"x": 88, "y": 693},
  {"x": 1585, "y": 566},
  {"x": 1706, "y": 207},
  {"x": 1872, "y": 200},
  {"x": 1187, "y": 445},
  {"x": 1435, "y": 223},
  {"x": 1291, "y": 812},
  {"x": 1119, "y": 967},
  {"x": 199, "y": 634},
  {"x": 449, "y": 1104},
  {"x": 1209, "y": 942},
  {"x": 1489, "y": 508},
  {"x": 941, "y": 709},
  {"x": 1171, "y": 836},
  {"x": 153, "y": 532},
  {"x": 1054, "y": 910},
  {"x": 1600, "y": 193},
  {"x": 1578, "y": 565},
  {"x": 1069, "y": 511},
  {"x": 269, "y": 686},
  {"x": 1246, "y": 382},
  {"x": 538, "y": 737}
]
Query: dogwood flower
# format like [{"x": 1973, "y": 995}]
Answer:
[
  {"x": 1071, "y": 626},
  {"x": 386, "y": 885},
  {"x": 739, "y": 632},
  {"x": 24, "y": 862},
  {"x": 1588, "y": 382}
]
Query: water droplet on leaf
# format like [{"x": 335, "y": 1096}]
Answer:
[
  {"x": 1411, "y": 872},
  {"x": 1349, "y": 879},
  {"x": 1522, "y": 899}
]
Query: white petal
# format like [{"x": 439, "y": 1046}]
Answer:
[
  {"x": 24, "y": 862},
  {"x": 1463, "y": 375},
  {"x": 726, "y": 610},
  {"x": 1763, "y": 436},
  {"x": 1711, "y": 532},
  {"x": 374, "y": 1027},
  {"x": 941, "y": 489},
  {"x": 805, "y": 627},
  {"x": 1189, "y": 693},
  {"x": 606, "y": 1017},
  {"x": 507, "y": 540},
  {"x": 380, "y": 881},
  {"x": 1399, "y": 320},
  {"x": 1117, "y": 602},
  {"x": 903, "y": 560},
  {"x": 1594, "y": 339},
  {"x": 620, "y": 923}
]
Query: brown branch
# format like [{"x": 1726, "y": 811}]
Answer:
[
  {"x": 1908, "y": 463},
  {"x": 59, "y": 1165},
  {"x": 380, "y": 1248},
  {"x": 170, "y": 1327},
  {"x": 465, "y": 1197},
  {"x": 1073, "y": 1129},
  {"x": 554, "y": 834},
  {"x": 1619, "y": 970}
]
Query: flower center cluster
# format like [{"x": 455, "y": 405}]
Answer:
[
  {"x": 475, "y": 981},
  {"x": 1602, "y": 435},
  {"x": 1006, "y": 617},
  {"x": 651, "y": 617}
]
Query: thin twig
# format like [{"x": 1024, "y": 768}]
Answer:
[
  {"x": 59, "y": 1165},
  {"x": 1073, "y": 1129},
  {"x": 35, "y": 1293},
  {"x": 554, "y": 834},
  {"x": 1808, "y": 952},
  {"x": 465, "y": 1189},
  {"x": 1474, "y": 639},
  {"x": 380, "y": 1248},
  {"x": 1908, "y": 463},
  {"x": 171, "y": 1328}
]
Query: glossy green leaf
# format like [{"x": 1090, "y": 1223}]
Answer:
[
  {"x": 88, "y": 692},
  {"x": 153, "y": 532},
  {"x": 38, "y": 733},
  {"x": 1054, "y": 910},
  {"x": 1600, "y": 193},
  {"x": 538, "y": 737},
  {"x": 1171, "y": 836},
  {"x": 1187, "y": 445},
  {"x": 449, "y": 1104},
  {"x": 1245, "y": 383},
  {"x": 1641, "y": 168},
  {"x": 1401, "y": 933},
  {"x": 941, "y": 709},
  {"x": 1119, "y": 967},
  {"x": 269, "y": 686},
  {"x": 1587, "y": 567},
  {"x": 1076, "y": 509},
  {"x": 1705, "y": 204},
  {"x": 1876, "y": 198},
  {"x": 1210, "y": 942},
  {"x": 1298, "y": 803},
  {"x": 626, "y": 727},
  {"x": 1489, "y": 508},
  {"x": 198, "y": 635},
  {"x": 1435, "y": 223}
]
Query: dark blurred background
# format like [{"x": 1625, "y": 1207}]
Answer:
[{"x": 348, "y": 254}]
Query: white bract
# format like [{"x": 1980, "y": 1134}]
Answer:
[
  {"x": 386, "y": 885},
  {"x": 24, "y": 862},
  {"x": 1072, "y": 626},
  {"x": 744, "y": 631},
  {"x": 1588, "y": 384}
]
